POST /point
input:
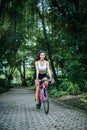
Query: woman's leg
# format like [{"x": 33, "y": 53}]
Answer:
[
  {"x": 46, "y": 82},
  {"x": 37, "y": 93}
]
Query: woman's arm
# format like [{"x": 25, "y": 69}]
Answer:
[
  {"x": 48, "y": 69},
  {"x": 36, "y": 66}
]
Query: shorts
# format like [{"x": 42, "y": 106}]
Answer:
[{"x": 41, "y": 76}]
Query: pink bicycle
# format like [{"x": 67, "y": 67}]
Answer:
[{"x": 43, "y": 96}]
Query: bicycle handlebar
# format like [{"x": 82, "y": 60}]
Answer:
[{"x": 49, "y": 80}]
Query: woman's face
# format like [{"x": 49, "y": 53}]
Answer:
[{"x": 42, "y": 56}]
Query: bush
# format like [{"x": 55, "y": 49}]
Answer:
[
  {"x": 84, "y": 99},
  {"x": 16, "y": 85},
  {"x": 54, "y": 90},
  {"x": 30, "y": 81},
  {"x": 70, "y": 87},
  {"x": 85, "y": 87},
  {"x": 1, "y": 89},
  {"x": 73, "y": 88},
  {"x": 4, "y": 86},
  {"x": 57, "y": 93},
  {"x": 76, "y": 73},
  {"x": 64, "y": 85},
  {"x": 61, "y": 93},
  {"x": 3, "y": 82}
]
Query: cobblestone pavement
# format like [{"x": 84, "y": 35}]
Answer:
[{"x": 17, "y": 112}]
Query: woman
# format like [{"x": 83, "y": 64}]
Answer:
[{"x": 41, "y": 66}]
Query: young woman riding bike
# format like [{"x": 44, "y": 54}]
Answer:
[{"x": 42, "y": 67}]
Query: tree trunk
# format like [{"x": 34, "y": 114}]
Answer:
[
  {"x": 48, "y": 46},
  {"x": 24, "y": 75}
]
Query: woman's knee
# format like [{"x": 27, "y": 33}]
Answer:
[{"x": 46, "y": 83}]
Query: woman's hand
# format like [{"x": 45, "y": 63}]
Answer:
[{"x": 52, "y": 80}]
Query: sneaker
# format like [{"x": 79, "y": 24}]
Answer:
[{"x": 37, "y": 106}]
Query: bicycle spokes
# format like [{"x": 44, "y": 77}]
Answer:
[{"x": 46, "y": 106}]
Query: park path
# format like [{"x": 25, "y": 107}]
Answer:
[{"x": 18, "y": 112}]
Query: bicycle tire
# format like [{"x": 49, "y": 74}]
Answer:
[
  {"x": 46, "y": 102},
  {"x": 46, "y": 106}
]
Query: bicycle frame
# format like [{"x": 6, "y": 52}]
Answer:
[
  {"x": 43, "y": 96},
  {"x": 42, "y": 88}
]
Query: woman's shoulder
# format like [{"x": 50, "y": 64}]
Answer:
[
  {"x": 47, "y": 62},
  {"x": 36, "y": 61}
]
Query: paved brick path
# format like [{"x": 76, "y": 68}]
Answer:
[{"x": 17, "y": 112}]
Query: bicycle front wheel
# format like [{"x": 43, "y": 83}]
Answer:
[{"x": 46, "y": 106}]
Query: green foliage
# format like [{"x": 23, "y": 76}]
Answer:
[
  {"x": 3, "y": 82},
  {"x": 54, "y": 90},
  {"x": 22, "y": 36},
  {"x": 65, "y": 83},
  {"x": 69, "y": 29},
  {"x": 4, "y": 86},
  {"x": 84, "y": 99},
  {"x": 1, "y": 89},
  {"x": 57, "y": 93},
  {"x": 70, "y": 87},
  {"x": 85, "y": 86},
  {"x": 73, "y": 88},
  {"x": 30, "y": 81},
  {"x": 18, "y": 85},
  {"x": 76, "y": 73}
]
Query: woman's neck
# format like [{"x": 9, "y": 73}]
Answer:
[{"x": 41, "y": 59}]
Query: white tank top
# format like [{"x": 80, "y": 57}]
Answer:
[{"x": 42, "y": 68}]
